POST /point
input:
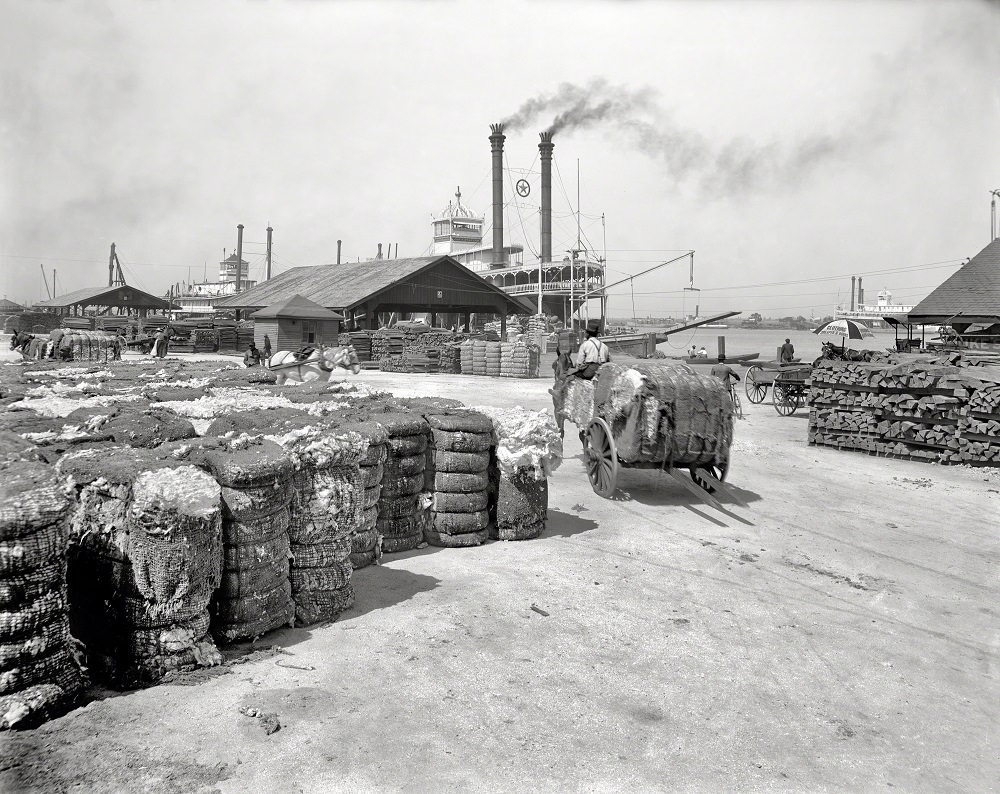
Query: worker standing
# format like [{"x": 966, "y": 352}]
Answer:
[
  {"x": 787, "y": 352},
  {"x": 593, "y": 352},
  {"x": 724, "y": 372}
]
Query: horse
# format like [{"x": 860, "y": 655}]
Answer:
[
  {"x": 560, "y": 367},
  {"x": 290, "y": 366},
  {"x": 831, "y": 351}
]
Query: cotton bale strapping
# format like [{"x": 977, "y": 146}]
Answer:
[
  {"x": 459, "y": 458},
  {"x": 255, "y": 476},
  {"x": 366, "y": 547},
  {"x": 327, "y": 506},
  {"x": 402, "y": 508},
  {"x": 669, "y": 413},
  {"x": 145, "y": 562},
  {"x": 38, "y": 675}
]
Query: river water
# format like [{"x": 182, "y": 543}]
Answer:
[{"x": 766, "y": 341}]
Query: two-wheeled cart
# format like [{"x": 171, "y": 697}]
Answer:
[
  {"x": 653, "y": 416},
  {"x": 789, "y": 385}
]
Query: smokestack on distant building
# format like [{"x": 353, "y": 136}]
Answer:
[
  {"x": 338, "y": 251},
  {"x": 854, "y": 287},
  {"x": 496, "y": 146},
  {"x": 545, "y": 148},
  {"x": 239, "y": 256}
]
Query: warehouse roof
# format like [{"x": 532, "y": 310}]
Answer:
[
  {"x": 124, "y": 296},
  {"x": 971, "y": 295},
  {"x": 347, "y": 285},
  {"x": 297, "y": 306}
]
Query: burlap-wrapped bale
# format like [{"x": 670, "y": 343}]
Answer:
[
  {"x": 145, "y": 562},
  {"x": 401, "y": 504},
  {"x": 479, "y": 357},
  {"x": 528, "y": 449},
  {"x": 38, "y": 676},
  {"x": 663, "y": 412},
  {"x": 135, "y": 425},
  {"x": 327, "y": 506},
  {"x": 255, "y": 476}
]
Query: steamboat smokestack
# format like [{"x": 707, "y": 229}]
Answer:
[
  {"x": 854, "y": 286},
  {"x": 861, "y": 294},
  {"x": 496, "y": 146},
  {"x": 545, "y": 148}
]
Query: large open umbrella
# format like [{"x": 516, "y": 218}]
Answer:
[{"x": 848, "y": 329}]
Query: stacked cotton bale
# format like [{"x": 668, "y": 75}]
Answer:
[
  {"x": 38, "y": 675},
  {"x": 402, "y": 509},
  {"x": 466, "y": 357},
  {"x": 460, "y": 458},
  {"x": 519, "y": 361},
  {"x": 479, "y": 357},
  {"x": 366, "y": 544},
  {"x": 528, "y": 449},
  {"x": 493, "y": 358},
  {"x": 327, "y": 508},
  {"x": 255, "y": 593},
  {"x": 137, "y": 425},
  {"x": 144, "y": 562}
]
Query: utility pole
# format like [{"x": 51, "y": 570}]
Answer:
[
  {"x": 268, "y": 273},
  {"x": 239, "y": 256}
]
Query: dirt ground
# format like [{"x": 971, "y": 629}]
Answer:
[{"x": 840, "y": 633}]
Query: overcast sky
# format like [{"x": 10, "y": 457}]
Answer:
[{"x": 790, "y": 144}]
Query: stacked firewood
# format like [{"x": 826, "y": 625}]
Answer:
[{"x": 919, "y": 409}]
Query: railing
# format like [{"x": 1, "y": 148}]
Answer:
[{"x": 549, "y": 286}]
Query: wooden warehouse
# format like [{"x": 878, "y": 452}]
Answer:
[
  {"x": 361, "y": 291},
  {"x": 295, "y": 322},
  {"x": 125, "y": 298}
]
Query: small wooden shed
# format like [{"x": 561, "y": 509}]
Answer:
[{"x": 295, "y": 322}]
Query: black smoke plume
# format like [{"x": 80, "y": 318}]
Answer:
[{"x": 732, "y": 166}]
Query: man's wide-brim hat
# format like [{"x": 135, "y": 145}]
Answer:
[{"x": 594, "y": 326}]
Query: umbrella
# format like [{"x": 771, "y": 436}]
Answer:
[
  {"x": 844, "y": 328},
  {"x": 847, "y": 328}
]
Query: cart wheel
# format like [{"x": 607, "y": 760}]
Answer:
[
  {"x": 718, "y": 471},
  {"x": 602, "y": 458},
  {"x": 785, "y": 402},
  {"x": 756, "y": 391}
]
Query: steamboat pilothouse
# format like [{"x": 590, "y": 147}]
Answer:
[{"x": 559, "y": 288}]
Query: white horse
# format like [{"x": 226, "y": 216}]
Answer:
[{"x": 290, "y": 367}]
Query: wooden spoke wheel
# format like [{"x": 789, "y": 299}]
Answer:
[
  {"x": 785, "y": 401},
  {"x": 602, "y": 458},
  {"x": 718, "y": 471},
  {"x": 755, "y": 389}
]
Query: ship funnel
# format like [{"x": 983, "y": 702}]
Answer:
[
  {"x": 861, "y": 294},
  {"x": 854, "y": 281},
  {"x": 545, "y": 148},
  {"x": 496, "y": 146}
]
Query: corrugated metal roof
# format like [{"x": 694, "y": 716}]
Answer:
[
  {"x": 106, "y": 296},
  {"x": 972, "y": 293},
  {"x": 344, "y": 286},
  {"x": 296, "y": 306}
]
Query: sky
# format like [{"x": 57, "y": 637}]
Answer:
[{"x": 789, "y": 144}]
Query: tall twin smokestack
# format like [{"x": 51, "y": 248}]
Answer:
[
  {"x": 496, "y": 146},
  {"x": 545, "y": 148}
]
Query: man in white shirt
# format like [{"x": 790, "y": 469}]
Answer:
[{"x": 593, "y": 352}]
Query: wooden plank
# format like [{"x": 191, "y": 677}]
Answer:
[
  {"x": 719, "y": 485},
  {"x": 694, "y": 488}
]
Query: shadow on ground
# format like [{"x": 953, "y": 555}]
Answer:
[
  {"x": 565, "y": 525},
  {"x": 381, "y": 586}
]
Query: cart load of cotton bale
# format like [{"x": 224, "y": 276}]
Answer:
[
  {"x": 145, "y": 559},
  {"x": 39, "y": 677},
  {"x": 528, "y": 449},
  {"x": 458, "y": 463},
  {"x": 665, "y": 412},
  {"x": 255, "y": 477}
]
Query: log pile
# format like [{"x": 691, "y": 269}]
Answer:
[
  {"x": 386, "y": 342},
  {"x": 919, "y": 409}
]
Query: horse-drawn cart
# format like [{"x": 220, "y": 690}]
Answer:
[
  {"x": 789, "y": 384},
  {"x": 651, "y": 416}
]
